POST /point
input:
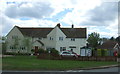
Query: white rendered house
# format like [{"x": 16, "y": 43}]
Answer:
[{"x": 23, "y": 39}]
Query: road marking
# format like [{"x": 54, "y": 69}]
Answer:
[{"x": 74, "y": 71}]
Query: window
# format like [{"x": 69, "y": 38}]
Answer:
[
  {"x": 40, "y": 38},
  {"x": 72, "y": 39},
  {"x": 66, "y": 53},
  {"x": 62, "y": 48},
  {"x": 22, "y": 47},
  {"x": 61, "y": 38},
  {"x": 12, "y": 47},
  {"x": 51, "y": 38},
  {"x": 14, "y": 37}
]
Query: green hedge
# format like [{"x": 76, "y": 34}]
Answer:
[{"x": 102, "y": 52}]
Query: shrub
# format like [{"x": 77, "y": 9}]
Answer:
[
  {"x": 54, "y": 52},
  {"x": 118, "y": 55},
  {"x": 32, "y": 50},
  {"x": 42, "y": 51}
]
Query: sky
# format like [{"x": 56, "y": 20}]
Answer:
[{"x": 99, "y": 16}]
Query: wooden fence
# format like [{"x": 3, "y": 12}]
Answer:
[{"x": 98, "y": 58}]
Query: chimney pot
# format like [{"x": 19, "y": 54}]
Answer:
[
  {"x": 58, "y": 25},
  {"x": 72, "y": 26}
]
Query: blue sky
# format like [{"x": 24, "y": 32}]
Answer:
[{"x": 99, "y": 16}]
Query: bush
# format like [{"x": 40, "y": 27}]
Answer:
[
  {"x": 32, "y": 50},
  {"x": 42, "y": 51},
  {"x": 54, "y": 52},
  {"x": 118, "y": 55}
]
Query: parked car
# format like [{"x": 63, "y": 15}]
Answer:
[{"x": 68, "y": 54}]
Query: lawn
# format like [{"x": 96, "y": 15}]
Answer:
[{"x": 32, "y": 63}]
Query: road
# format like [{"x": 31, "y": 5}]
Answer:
[{"x": 113, "y": 69}]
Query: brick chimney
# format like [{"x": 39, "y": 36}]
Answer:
[{"x": 58, "y": 25}]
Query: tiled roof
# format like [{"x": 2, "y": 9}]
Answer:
[
  {"x": 35, "y": 32},
  {"x": 43, "y": 32},
  {"x": 107, "y": 45},
  {"x": 74, "y": 32}
]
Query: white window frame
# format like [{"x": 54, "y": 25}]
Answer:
[
  {"x": 72, "y": 39},
  {"x": 60, "y": 38}
]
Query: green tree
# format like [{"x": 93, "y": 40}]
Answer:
[
  {"x": 16, "y": 43},
  {"x": 4, "y": 47},
  {"x": 118, "y": 39},
  {"x": 112, "y": 38},
  {"x": 93, "y": 41},
  {"x": 4, "y": 44},
  {"x": 27, "y": 43}
]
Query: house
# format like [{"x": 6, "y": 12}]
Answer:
[
  {"x": 24, "y": 39},
  {"x": 112, "y": 46}
]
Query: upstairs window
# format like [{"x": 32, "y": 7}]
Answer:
[
  {"x": 14, "y": 37},
  {"x": 72, "y": 39},
  {"x": 51, "y": 38},
  {"x": 61, "y": 38}
]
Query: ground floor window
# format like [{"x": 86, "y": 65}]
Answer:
[
  {"x": 22, "y": 47},
  {"x": 62, "y": 48},
  {"x": 11, "y": 47}
]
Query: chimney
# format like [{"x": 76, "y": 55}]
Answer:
[
  {"x": 58, "y": 25},
  {"x": 72, "y": 26}
]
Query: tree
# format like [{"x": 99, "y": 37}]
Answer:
[
  {"x": 4, "y": 44},
  {"x": 16, "y": 43},
  {"x": 118, "y": 39},
  {"x": 112, "y": 38},
  {"x": 27, "y": 43},
  {"x": 93, "y": 41}
]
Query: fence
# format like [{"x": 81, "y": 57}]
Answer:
[{"x": 97, "y": 58}]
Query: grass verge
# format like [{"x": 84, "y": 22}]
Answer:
[{"x": 31, "y": 63}]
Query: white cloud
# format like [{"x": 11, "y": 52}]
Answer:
[
  {"x": 31, "y": 10},
  {"x": 5, "y": 24},
  {"x": 78, "y": 16}
]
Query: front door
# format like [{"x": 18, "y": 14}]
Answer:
[{"x": 36, "y": 50}]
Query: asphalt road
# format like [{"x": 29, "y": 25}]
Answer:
[{"x": 113, "y": 69}]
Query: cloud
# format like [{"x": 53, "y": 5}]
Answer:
[
  {"x": 5, "y": 24},
  {"x": 102, "y": 15},
  {"x": 97, "y": 16},
  {"x": 28, "y": 9}
]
